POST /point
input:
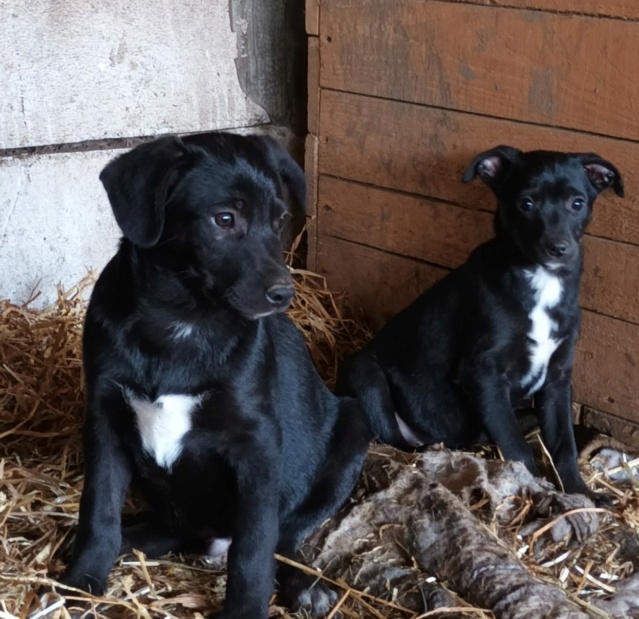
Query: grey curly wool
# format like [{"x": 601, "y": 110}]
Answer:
[
  {"x": 448, "y": 541},
  {"x": 408, "y": 528}
]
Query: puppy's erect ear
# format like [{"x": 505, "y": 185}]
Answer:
[
  {"x": 602, "y": 174},
  {"x": 491, "y": 165},
  {"x": 290, "y": 173},
  {"x": 139, "y": 183}
]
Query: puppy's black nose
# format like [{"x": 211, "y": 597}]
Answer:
[
  {"x": 280, "y": 294},
  {"x": 558, "y": 249}
]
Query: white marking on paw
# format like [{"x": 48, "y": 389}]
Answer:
[
  {"x": 547, "y": 290},
  {"x": 317, "y": 600},
  {"x": 217, "y": 550},
  {"x": 162, "y": 424}
]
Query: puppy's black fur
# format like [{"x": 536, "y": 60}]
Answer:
[
  {"x": 199, "y": 388},
  {"x": 453, "y": 365}
]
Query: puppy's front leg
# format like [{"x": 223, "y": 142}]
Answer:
[
  {"x": 553, "y": 404},
  {"x": 487, "y": 391},
  {"x": 251, "y": 560},
  {"x": 106, "y": 479}
]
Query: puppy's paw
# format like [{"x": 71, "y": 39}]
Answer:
[
  {"x": 316, "y": 601},
  {"x": 217, "y": 552},
  {"x": 73, "y": 580},
  {"x": 307, "y": 594},
  {"x": 582, "y": 524},
  {"x": 602, "y": 499}
]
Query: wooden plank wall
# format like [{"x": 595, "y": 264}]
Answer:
[{"x": 403, "y": 94}]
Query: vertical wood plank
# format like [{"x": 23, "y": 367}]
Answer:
[
  {"x": 313, "y": 87},
  {"x": 310, "y": 167},
  {"x": 312, "y": 17}
]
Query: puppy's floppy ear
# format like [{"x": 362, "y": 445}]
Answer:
[
  {"x": 492, "y": 165},
  {"x": 139, "y": 183},
  {"x": 290, "y": 173},
  {"x": 602, "y": 174}
]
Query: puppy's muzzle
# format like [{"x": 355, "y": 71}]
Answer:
[
  {"x": 280, "y": 295},
  {"x": 558, "y": 251}
]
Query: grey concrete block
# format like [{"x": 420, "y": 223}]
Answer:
[
  {"x": 55, "y": 223},
  {"x": 74, "y": 71}
]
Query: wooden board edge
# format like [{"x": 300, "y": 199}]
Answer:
[
  {"x": 312, "y": 17},
  {"x": 589, "y": 8},
  {"x": 312, "y": 86},
  {"x": 310, "y": 168},
  {"x": 624, "y": 430}
]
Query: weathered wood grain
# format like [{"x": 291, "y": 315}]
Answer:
[
  {"x": 424, "y": 150},
  {"x": 610, "y": 284},
  {"x": 431, "y": 231},
  {"x": 606, "y": 374},
  {"x": 378, "y": 282},
  {"x": 534, "y": 66}
]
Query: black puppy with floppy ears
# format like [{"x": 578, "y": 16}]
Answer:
[
  {"x": 501, "y": 328},
  {"x": 199, "y": 388}
]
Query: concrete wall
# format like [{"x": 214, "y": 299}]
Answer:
[{"x": 84, "y": 79}]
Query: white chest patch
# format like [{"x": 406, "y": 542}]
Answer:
[
  {"x": 180, "y": 330},
  {"x": 547, "y": 291},
  {"x": 162, "y": 424}
]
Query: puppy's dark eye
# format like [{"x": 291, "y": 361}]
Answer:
[
  {"x": 526, "y": 205},
  {"x": 224, "y": 220},
  {"x": 577, "y": 204}
]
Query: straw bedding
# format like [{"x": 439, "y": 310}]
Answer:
[{"x": 411, "y": 539}]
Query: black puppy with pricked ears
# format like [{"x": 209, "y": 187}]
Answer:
[
  {"x": 500, "y": 329},
  {"x": 199, "y": 389}
]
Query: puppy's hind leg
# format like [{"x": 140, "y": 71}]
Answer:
[
  {"x": 349, "y": 444},
  {"x": 361, "y": 377}
]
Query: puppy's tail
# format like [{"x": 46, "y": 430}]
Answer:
[{"x": 361, "y": 377}]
